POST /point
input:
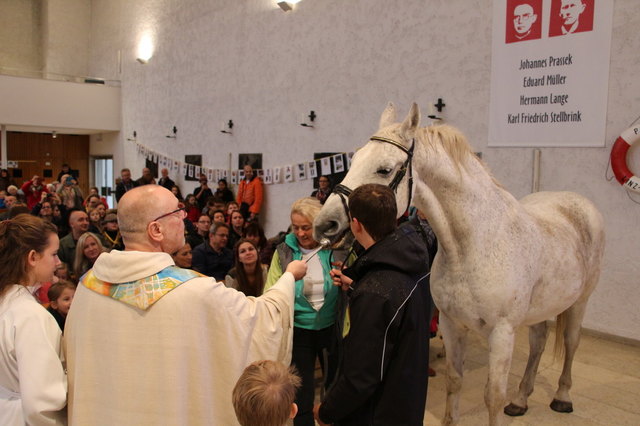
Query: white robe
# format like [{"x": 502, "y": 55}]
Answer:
[
  {"x": 33, "y": 384},
  {"x": 176, "y": 362}
]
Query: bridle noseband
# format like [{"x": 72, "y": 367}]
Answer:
[{"x": 344, "y": 191}]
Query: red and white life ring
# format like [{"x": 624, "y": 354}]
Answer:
[{"x": 619, "y": 158}]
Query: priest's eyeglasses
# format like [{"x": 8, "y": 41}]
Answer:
[{"x": 182, "y": 215}]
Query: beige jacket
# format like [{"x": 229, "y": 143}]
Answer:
[{"x": 176, "y": 362}]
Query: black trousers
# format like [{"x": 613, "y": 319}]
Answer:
[{"x": 309, "y": 345}]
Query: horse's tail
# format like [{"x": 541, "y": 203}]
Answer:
[{"x": 558, "y": 347}]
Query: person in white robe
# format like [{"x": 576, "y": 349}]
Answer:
[
  {"x": 33, "y": 383},
  {"x": 150, "y": 343}
]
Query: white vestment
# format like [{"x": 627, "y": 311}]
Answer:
[
  {"x": 33, "y": 385},
  {"x": 175, "y": 362}
]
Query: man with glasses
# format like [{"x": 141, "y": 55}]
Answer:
[
  {"x": 214, "y": 258},
  {"x": 150, "y": 343},
  {"x": 201, "y": 234},
  {"x": 524, "y": 24}
]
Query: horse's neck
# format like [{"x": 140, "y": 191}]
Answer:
[{"x": 463, "y": 205}]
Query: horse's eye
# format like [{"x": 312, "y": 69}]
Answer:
[{"x": 383, "y": 172}]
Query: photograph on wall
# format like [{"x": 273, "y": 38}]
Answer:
[
  {"x": 288, "y": 173},
  {"x": 234, "y": 177},
  {"x": 151, "y": 166},
  {"x": 335, "y": 177},
  {"x": 349, "y": 159},
  {"x": 268, "y": 176},
  {"x": 192, "y": 161},
  {"x": 302, "y": 171},
  {"x": 253, "y": 160},
  {"x": 313, "y": 171},
  {"x": 325, "y": 166},
  {"x": 338, "y": 163},
  {"x": 276, "y": 175}
]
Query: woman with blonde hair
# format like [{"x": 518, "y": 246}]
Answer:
[
  {"x": 88, "y": 248},
  {"x": 315, "y": 302},
  {"x": 33, "y": 383}
]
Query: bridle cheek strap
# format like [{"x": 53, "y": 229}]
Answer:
[{"x": 344, "y": 191}]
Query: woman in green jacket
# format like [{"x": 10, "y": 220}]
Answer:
[{"x": 315, "y": 302}]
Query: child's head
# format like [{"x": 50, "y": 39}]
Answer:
[
  {"x": 61, "y": 295},
  {"x": 265, "y": 393},
  {"x": 62, "y": 271}
]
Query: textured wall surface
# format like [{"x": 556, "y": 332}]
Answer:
[
  {"x": 21, "y": 34},
  {"x": 250, "y": 62},
  {"x": 66, "y": 36}
]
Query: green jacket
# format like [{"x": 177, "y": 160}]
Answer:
[{"x": 304, "y": 315}]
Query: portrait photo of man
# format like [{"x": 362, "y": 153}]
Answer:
[
  {"x": 570, "y": 16},
  {"x": 524, "y": 20}
]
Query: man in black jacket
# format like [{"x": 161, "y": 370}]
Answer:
[{"x": 384, "y": 360}]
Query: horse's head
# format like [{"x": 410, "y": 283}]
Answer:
[{"x": 384, "y": 159}]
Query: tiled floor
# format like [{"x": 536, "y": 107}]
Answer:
[{"x": 606, "y": 384}]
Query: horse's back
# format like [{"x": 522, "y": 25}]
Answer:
[{"x": 565, "y": 211}]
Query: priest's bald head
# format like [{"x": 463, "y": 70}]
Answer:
[{"x": 151, "y": 218}]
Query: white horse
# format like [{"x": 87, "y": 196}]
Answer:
[{"x": 501, "y": 262}]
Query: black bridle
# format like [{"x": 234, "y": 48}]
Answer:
[{"x": 344, "y": 191}]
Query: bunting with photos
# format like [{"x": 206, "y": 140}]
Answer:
[
  {"x": 313, "y": 171},
  {"x": 335, "y": 165},
  {"x": 268, "y": 176},
  {"x": 302, "y": 171},
  {"x": 288, "y": 173}
]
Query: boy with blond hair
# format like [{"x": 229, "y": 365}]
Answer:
[{"x": 265, "y": 393}]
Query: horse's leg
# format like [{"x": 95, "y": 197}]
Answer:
[
  {"x": 501, "y": 342},
  {"x": 537, "y": 341},
  {"x": 573, "y": 323},
  {"x": 455, "y": 342}
]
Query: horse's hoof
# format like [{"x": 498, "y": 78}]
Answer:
[
  {"x": 513, "y": 410},
  {"x": 561, "y": 406}
]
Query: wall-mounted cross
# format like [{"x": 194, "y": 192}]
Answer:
[{"x": 440, "y": 105}]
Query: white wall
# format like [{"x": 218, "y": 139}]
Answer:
[
  {"x": 59, "y": 104},
  {"x": 250, "y": 62}
]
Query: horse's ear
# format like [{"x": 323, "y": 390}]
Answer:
[
  {"x": 388, "y": 115},
  {"x": 411, "y": 123}
]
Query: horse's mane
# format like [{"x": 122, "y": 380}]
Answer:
[{"x": 455, "y": 145}]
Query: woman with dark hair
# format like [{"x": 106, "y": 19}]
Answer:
[
  {"x": 33, "y": 384},
  {"x": 223, "y": 192},
  {"x": 175, "y": 190},
  {"x": 5, "y": 180},
  {"x": 249, "y": 275},
  {"x": 236, "y": 229},
  {"x": 183, "y": 257},
  {"x": 324, "y": 189},
  {"x": 192, "y": 209},
  {"x": 254, "y": 233}
]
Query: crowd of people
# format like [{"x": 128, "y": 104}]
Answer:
[{"x": 184, "y": 293}]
